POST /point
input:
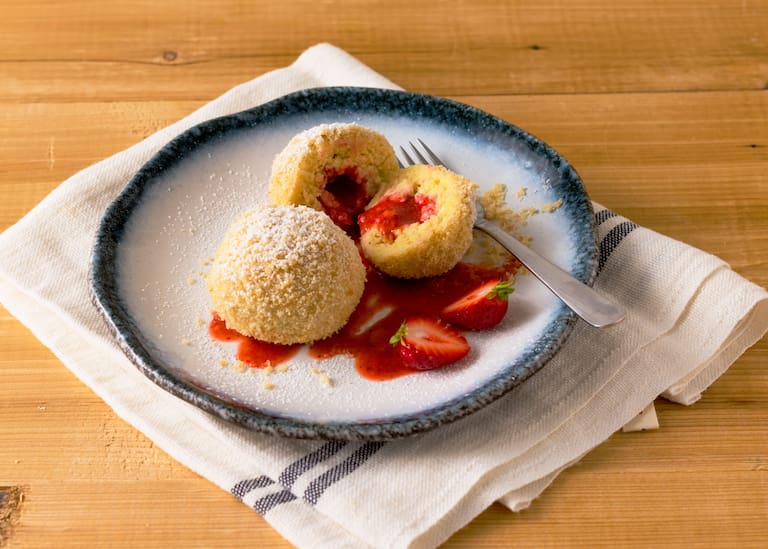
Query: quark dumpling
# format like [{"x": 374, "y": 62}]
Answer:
[
  {"x": 336, "y": 168},
  {"x": 421, "y": 225},
  {"x": 286, "y": 274}
]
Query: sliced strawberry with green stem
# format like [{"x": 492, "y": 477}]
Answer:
[
  {"x": 482, "y": 308},
  {"x": 426, "y": 343}
]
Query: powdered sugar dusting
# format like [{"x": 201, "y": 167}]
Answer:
[{"x": 286, "y": 274}]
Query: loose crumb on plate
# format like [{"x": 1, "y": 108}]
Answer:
[
  {"x": 524, "y": 214},
  {"x": 494, "y": 202},
  {"x": 551, "y": 206},
  {"x": 525, "y": 239},
  {"x": 323, "y": 377}
]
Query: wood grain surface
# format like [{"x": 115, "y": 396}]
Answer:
[{"x": 662, "y": 107}]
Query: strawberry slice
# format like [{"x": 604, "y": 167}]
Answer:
[
  {"x": 482, "y": 308},
  {"x": 426, "y": 343}
]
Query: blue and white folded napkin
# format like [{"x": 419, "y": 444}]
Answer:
[{"x": 689, "y": 318}]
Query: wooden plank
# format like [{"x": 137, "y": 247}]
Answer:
[
  {"x": 43, "y": 144},
  {"x": 11, "y": 501},
  {"x": 660, "y": 106},
  {"x": 144, "y": 50},
  {"x": 119, "y": 513}
]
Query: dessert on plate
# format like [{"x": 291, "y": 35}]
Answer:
[
  {"x": 291, "y": 273},
  {"x": 286, "y": 274},
  {"x": 420, "y": 225},
  {"x": 336, "y": 168}
]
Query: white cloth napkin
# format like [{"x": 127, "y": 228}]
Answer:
[{"x": 689, "y": 318}]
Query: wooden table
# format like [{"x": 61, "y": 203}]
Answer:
[{"x": 661, "y": 106}]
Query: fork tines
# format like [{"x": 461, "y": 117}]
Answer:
[{"x": 427, "y": 157}]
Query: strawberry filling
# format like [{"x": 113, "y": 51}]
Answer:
[
  {"x": 395, "y": 211},
  {"x": 343, "y": 197}
]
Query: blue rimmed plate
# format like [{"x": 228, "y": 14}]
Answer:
[{"x": 154, "y": 241}]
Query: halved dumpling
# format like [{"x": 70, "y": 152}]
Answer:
[
  {"x": 420, "y": 225},
  {"x": 335, "y": 168}
]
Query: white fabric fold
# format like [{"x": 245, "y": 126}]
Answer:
[{"x": 690, "y": 317}]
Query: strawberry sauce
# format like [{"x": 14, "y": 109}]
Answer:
[
  {"x": 397, "y": 210},
  {"x": 386, "y": 302},
  {"x": 251, "y": 351}
]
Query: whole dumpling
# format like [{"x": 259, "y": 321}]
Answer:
[{"x": 286, "y": 274}]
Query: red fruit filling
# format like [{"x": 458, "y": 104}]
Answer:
[
  {"x": 397, "y": 210},
  {"x": 343, "y": 197}
]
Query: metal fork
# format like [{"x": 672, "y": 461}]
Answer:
[{"x": 590, "y": 306}]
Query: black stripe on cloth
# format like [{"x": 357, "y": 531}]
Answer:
[
  {"x": 291, "y": 473},
  {"x": 286, "y": 479},
  {"x": 265, "y": 504},
  {"x": 612, "y": 239},
  {"x": 245, "y": 486},
  {"x": 318, "y": 486},
  {"x": 604, "y": 215}
]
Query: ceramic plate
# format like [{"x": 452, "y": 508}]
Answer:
[{"x": 151, "y": 247}]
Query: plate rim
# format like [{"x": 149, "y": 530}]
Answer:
[{"x": 103, "y": 274}]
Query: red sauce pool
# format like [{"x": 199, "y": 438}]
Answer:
[
  {"x": 254, "y": 353},
  {"x": 386, "y": 302}
]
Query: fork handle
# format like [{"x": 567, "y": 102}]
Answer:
[{"x": 590, "y": 306}]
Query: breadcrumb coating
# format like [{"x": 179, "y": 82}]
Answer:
[
  {"x": 300, "y": 170},
  {"x": 433, "y": 246},
  {"x": 286, "y": 274}
]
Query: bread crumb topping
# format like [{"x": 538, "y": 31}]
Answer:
[{"x": 286, "y": 274}]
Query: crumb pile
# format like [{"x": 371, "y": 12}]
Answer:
[
  {"x": 286, "y": 274},
  {"x": 421, "y": 224}
]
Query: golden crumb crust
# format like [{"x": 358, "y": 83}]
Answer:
[
  {"x": 433, "y": 246},
  {"x": 286, "y": 274},
  {"x": 301, "y": 170}
]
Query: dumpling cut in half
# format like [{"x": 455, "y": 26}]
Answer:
[
  {"x": 336, "y": 168},
  {"x": 421, "y": 224}
]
